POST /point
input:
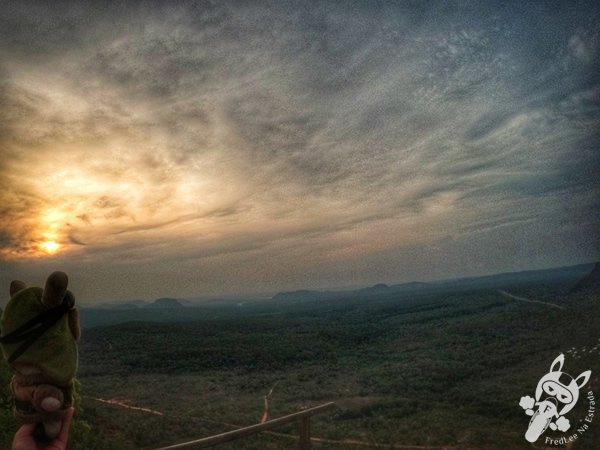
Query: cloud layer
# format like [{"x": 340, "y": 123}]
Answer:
[{"x": 250, "y": 147}]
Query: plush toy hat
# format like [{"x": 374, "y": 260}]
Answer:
[{"x": 39, "y": 330}]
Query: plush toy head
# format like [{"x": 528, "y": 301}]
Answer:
[
  {"x": 53, "y": 353},
  {"x": 39, "y": 329}
]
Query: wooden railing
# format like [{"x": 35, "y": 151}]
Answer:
[{"x": 304, "y": 438}]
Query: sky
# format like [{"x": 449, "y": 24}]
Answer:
[{"x": 195, "y": 149}]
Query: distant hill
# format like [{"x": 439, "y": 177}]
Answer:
[
  {"x": 304, "y": 294},
  {"x": 165, "y": 303},
  {"x": 131, "y": 304},
  {"x": 126, "y": 305},
  {"x": 380, "y": 288},
  {"x": 590, "y": 282},
  {"x": 376, "y": 290}
]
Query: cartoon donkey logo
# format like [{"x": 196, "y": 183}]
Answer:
[{"x": 556, "y": 394}]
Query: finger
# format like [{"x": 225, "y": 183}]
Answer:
[
  {"x": 25, "y": 430},
  {"x": 64, "y": 432},
  {"x": 24, "y": 438},
  {"x": 52, "y": 428},
  {"x": 60, "y": 442}
]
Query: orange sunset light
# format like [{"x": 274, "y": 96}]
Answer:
[{"x": 49, "y": 247}]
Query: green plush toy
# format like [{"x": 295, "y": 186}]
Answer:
[{"x": 39, "y": 330}]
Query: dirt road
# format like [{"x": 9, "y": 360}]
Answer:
[{"x": 523, "y": 299}]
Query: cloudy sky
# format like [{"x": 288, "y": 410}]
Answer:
[{"x": 208, "y": 148}]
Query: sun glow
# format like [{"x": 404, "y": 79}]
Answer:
[{"x": 49, "y": 247}]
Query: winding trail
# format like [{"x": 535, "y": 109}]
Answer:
[
  {"x": 523, "y": 299},
  {"x": 125, "y": 405}
]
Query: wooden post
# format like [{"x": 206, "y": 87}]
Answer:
[{"x": 304, "y": 443}]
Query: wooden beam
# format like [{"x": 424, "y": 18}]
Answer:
[
  {"x": 304, "y": 443},
  {"x": 217, "y": 439}
]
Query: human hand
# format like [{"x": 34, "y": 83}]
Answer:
[{"x": 24, "y": 439}]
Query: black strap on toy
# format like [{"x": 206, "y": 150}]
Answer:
[{"x": 31, "y": 330}]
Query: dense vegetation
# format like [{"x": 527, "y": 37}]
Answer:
[{"x": 429, "y": 368}]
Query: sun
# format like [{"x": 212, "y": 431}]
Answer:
[{"x": 50, "y": 247}]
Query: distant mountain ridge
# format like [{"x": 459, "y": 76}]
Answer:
[
  {"x": 583, "y": 275},
  {"x": 181, "y": 310},
  {"x": 165, "y": 302},
  {"x": 377, "y": 289},
  {"x": 482, "y": 282}
]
